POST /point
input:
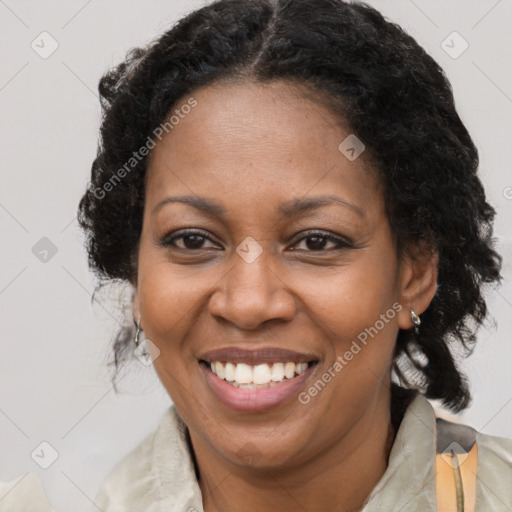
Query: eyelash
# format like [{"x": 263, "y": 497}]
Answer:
[
  {"x": 168, "y": 240},
  {"x": 340, "y": 244}
]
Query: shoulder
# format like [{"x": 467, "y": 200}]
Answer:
[
  {"x": 497, "y": 448},
  {"x": 130, "y": 479},
  {"x": 133, "y": 482},
  {"x": 24, "y": 494},
  {"x": 156, "y": 476},
  {"x": 494, "y": 482}
]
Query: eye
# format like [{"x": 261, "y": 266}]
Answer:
[
  {"x": 320, "y": 241},
  {"x": 188, "y": 240}
]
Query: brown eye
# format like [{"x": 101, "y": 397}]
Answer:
[
  {"x": 187, "y": 240},
  {"x": 320, "y": 241},
  {"x": 316, "y": 243},
  {"x": 192, "y": 241}
]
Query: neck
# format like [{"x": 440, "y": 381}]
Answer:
[{"x": 340, "y": 478}]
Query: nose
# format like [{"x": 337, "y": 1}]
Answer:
[{"x": 252, "y": 293}]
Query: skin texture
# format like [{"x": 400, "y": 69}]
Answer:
[{"x": 251, "y": 147}]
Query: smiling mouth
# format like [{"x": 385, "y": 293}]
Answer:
[{"x": 259, "y": 376}]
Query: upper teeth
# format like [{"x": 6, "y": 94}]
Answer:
[{"x": 242, "y": 373}]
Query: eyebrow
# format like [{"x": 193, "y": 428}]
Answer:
[
  {"x": 200, "y": 203},
  {"x": 289, "y": 208},
  {"x": 296, "y": 206}
]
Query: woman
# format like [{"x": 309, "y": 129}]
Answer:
[{"x": 289, "y": 189}]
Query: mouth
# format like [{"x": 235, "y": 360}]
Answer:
[
  {"x": 254, "y": 381},
  {"x": 260, "y": 376}
]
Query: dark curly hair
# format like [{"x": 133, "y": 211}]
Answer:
[{"x": 374, "y": 76}]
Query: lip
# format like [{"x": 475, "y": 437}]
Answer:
[
  {"x": 257, "y": 356},
  {"x": 254, "y": 400}
]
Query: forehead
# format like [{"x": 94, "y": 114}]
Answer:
[{"x": 256, "y": 142}]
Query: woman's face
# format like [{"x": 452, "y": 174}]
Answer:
[{"x": 291, "y": 260}]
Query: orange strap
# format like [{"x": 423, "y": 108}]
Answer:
[{"x": 456, "y": 481}]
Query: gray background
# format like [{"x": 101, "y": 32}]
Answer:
[{"x": 55, "y": 343}]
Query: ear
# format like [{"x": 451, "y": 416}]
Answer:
[{"x": 418, "y": 282}]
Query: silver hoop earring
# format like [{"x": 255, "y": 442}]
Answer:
[
  {"x": 416, "y": 321},
  {"x": 137, "y": 332}
]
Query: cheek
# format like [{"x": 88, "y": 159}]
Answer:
[
  {"x": 170, "y": 300},
  {"x": 356, "y": 310},
  {"x": 170, "y": 295},
  {"x": 353, "y": 297}
]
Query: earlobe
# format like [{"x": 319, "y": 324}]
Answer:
[{"x": 418, "y": 286}]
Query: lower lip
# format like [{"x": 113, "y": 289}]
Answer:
[{"x": 254, "y": 400}]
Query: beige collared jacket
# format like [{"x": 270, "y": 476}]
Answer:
[{"x": 158, "y": 475}]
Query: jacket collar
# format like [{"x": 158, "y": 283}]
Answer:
[{"x": 408, "y": 484}]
